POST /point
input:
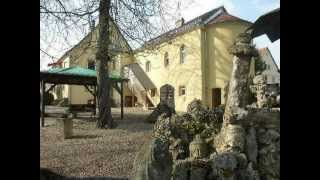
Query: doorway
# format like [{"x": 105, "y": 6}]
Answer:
[
  {"x": 216, "y": 97},
  {"x": 167, "y": 95},
  {"x": 128, "y": 101}
]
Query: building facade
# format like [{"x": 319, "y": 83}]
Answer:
[{"x": 191, "y": 61}]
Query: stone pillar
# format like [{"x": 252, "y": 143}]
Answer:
[
  {"x": 67, "y": 125},
  {"x": 232, "y": 135},
  {"x": 243, "y": 52},
  {"x": 68, "y": 128}
]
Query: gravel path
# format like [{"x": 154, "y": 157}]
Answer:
[{"x": 94, "y": 152}]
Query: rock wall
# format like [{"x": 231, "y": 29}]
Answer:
[
  {"x": 239, "y": 143},
  {"x": 250, "y": 150},
  {"x": 161, "y": 109}
]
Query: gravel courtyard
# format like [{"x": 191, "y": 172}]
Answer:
[{"x": 94, "y": 152}]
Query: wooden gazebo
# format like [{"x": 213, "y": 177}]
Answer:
[{"x": 76, "y": 76}]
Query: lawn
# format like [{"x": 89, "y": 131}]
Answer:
[{"x": 92, "y": 151}]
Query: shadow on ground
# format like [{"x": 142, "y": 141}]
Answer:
[
  {"x": 46, "y": 174},
  {"x": 84, "y": 136},
  {"x": 134, "y": 122}
]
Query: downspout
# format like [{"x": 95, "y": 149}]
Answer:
[{"x": 204, "y": 64}]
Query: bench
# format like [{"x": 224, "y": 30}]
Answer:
[{"x": 77, "y": 108}]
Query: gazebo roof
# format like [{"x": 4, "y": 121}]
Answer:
[
  {"x": 74, "y": 75},
  {"x": 74, "y": 71}
]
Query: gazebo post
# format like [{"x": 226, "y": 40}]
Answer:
[
  {"x": 121, "y": 96},
  {"x": 43, "y": 85}
]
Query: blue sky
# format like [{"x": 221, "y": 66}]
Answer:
[{"x": 246, "y": 9}]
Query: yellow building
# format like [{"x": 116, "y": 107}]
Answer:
[
  {"x": 83, "y": 55},
  {"x": 191, "y": 61}
]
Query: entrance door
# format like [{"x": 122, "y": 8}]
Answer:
[
  {"x": 128, "y": 101},
  {"x": 167, "y": 95},
  {"x": 216, "y": 97}
]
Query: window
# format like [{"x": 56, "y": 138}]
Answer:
[
  {"x": 268, "y": 67},
  {"x": 153, "y": 92},
  {"x": 148, "y": 66},
  {"x": 182, "y": 90},
  {"x": 182, "y": 54},
  {"x": 91, "y": 65},
  {"x": 113, "y": 64},
  {"x": 166, "y": 59}
]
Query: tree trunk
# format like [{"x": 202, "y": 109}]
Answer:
[{"x": 102, "y": 57}]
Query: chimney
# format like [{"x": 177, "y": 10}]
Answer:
[{"x": 180, "y": 22}]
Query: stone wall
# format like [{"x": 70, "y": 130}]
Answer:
[
  {"x": 250, "y": 150},
  {"x": 239, "y": 142}
]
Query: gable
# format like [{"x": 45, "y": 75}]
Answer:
[
  {"x": 89, "y": 45},
  {"x": 267, "y": 57}
]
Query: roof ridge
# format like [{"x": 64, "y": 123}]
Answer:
[
  {"x": 198, "y": 18},
  {"x": 215, "y": 9}
]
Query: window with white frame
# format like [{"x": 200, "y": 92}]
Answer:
[{"x": 182, "y": 90}]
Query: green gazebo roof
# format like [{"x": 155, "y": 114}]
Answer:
[
  {"x": 75, "y": 75},
  {"x": 79, "y": 71}
]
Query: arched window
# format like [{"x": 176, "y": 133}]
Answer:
[
  {"x": 182, "y": 54},
  {"x": 113, "y": 64},
  {"x": 166, "y": 59},
  {"x": 148, "y": 66}
]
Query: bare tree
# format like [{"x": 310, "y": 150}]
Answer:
[
  {"x": 102, "y": 57},
  {"x": 137, "y": 20}
]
